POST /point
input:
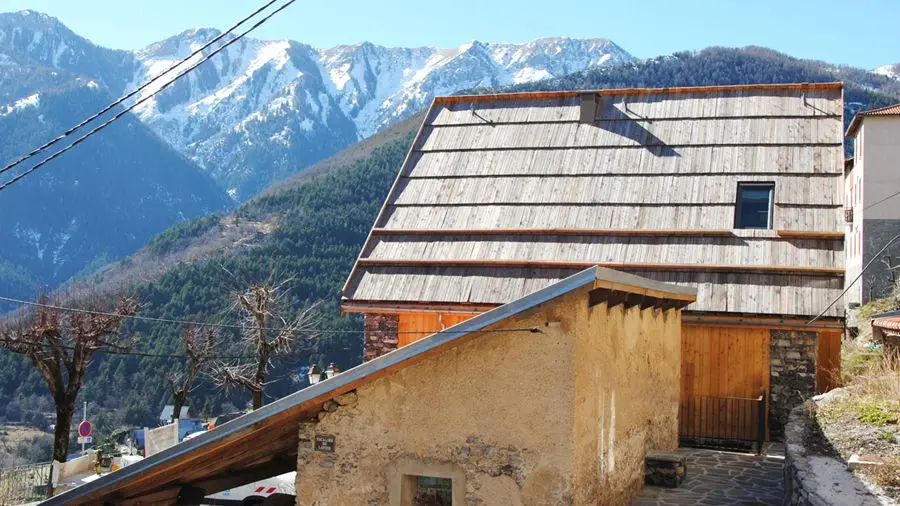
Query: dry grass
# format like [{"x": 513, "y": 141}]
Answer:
[
  {"x": 874, "y": 381},
  {"x": 876, "y": 306},
  {"x": 886, "y": 475},
  {"x": 866, "y": 420}
]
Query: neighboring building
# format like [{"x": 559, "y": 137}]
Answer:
[
  {"x": 871, "y": 186},
  {"x": 553, "y": 398},
  {"x": 886, "y": 331},
  {"x": 165, "y": 416},
  {"x": 733, "y": 190}
]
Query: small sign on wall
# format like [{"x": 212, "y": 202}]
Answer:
[{"x": 324, "y": 443}]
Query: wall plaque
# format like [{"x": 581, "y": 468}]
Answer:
[{"x": 324, "y": 443}]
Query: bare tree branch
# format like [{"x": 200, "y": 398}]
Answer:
[
  {"x": 268, "y": 332},
  {"x": 60, "y": 346},
  {"x": 199, "y": 345}
]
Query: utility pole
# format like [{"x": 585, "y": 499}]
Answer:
[{"x": 84, "y": 419}]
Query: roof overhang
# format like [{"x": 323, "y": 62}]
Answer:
[{"x": 550, "y": 95}]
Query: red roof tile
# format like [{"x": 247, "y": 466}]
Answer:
[
  {"x": 890, "y": 322},
  {"x": 891, "y": 110}
]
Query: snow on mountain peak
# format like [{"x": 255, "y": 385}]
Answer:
[
  {"x": 377, "y": 86},
  {"x": 892, "y": 71},
  {"x": 260, "y": 108}
]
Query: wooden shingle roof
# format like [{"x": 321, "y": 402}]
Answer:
[{"x": 503, "y": 194}]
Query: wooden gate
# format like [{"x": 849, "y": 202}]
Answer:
[
  {"x": 724, "y": 372},
  {"x": 731, "y": 422}
]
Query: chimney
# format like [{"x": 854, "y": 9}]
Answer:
[{"x": 588, "y": 107}]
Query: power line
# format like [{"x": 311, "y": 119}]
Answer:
[
  {"x": 873, "y": 204},
  {"x": 148, "y": 97},
  {"x": 110, "y": 351},
  {"x": 109, "y": 107},
  {"x": 863, "y": 270},
  {"x": 172, "y": 321}
]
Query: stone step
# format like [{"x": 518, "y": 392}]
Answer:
[{"x": 664, "y": 469}]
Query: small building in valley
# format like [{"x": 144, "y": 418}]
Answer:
[
  {"x": 886, "y": 332},
  {"x": 872, "y": 205},
  {"x": 553, "y": 398},
  {"x": 734, "y": 190}
]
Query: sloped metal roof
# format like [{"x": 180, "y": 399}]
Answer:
[{"x": 264, "y": 442}]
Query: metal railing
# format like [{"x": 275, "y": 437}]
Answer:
[
  {"x": 723, "y": 422},
  {"x": 23, "y": 484}
]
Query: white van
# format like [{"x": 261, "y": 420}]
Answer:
[{"x": 275, "y": 491}]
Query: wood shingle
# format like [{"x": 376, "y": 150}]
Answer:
[{"x": 504, "y": 194}]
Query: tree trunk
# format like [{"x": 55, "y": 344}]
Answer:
[
  {"x": 260, "y": 378},
  {"x": 178, "y": 401},
  {"x": 257, "y": 399},
  {"x": 61, "y": 433}
]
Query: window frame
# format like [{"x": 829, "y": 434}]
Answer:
[
  {"x": 403, "y": 477},
  {"x": 770, "y": 185}
]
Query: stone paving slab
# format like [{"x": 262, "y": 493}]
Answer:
[{"x": 719, "y": 478}]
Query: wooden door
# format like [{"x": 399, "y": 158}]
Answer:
[
  {"x": 828, "y": 361},
  {"x": 724, "y": 370}
]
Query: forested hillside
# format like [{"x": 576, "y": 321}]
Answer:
[
  {"x": 321, "y": 225},
  {"x": 310, "y": 231}
]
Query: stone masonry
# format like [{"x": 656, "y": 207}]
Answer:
[
  {"x": 792, "y": 373},
  {"x": 878, "y": 280},
  {"x": 380, "y": 334}
]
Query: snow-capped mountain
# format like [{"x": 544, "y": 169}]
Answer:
[
  {"x": 377, "y": 86},
  {"x": 892, "y": 71},
  {"x": 260, "y": 110},
  {"x": 100, "y": 201}
]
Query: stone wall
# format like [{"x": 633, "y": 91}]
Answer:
[
  {"x": 556, "y": 418},
  {"x": 876, "y": 282},
  {"x": 380, "y": 334},
  {"x": 815, "y": 480},
  {"x": 792, "y": 372}
]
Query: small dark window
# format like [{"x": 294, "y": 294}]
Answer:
[
  {"x": 432, "y": 491},
  {"x": 754, "y": 205}
]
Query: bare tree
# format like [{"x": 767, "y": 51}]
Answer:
[
  {"x": 60, "y": 346},
  {"x": 268, "y": 333},
  {"x": 199, "y": 345}
]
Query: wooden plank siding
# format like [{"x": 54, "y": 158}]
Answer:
[
  {"x": 828, "y": 361},
  {"x": 413, "y": 326},
  {"x": 723, "y": 362},
  {"x": 751, "y": 293}
]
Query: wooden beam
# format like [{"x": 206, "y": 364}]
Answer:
[
  {"x": 810, "y": 234},
  {"x": 232, "y": 478},
  {"x": 545, "y": 95},
  {"x": 537, "y": 264},
  {"x": 376, "y": 306},
  {"x": 775, "y": 322},
  {"x": 166, "y": 496},
  {"x": 553, "y": 231}
]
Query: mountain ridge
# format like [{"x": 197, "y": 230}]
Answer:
[{"x": 293, "y": 92}]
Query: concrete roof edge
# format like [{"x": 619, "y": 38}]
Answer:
[{"x": 628, "y": 279}]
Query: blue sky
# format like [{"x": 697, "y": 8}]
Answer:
[{"x": 861, "y": 33}]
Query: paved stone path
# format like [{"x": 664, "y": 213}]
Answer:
[{"x": 723, "y": 479}]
